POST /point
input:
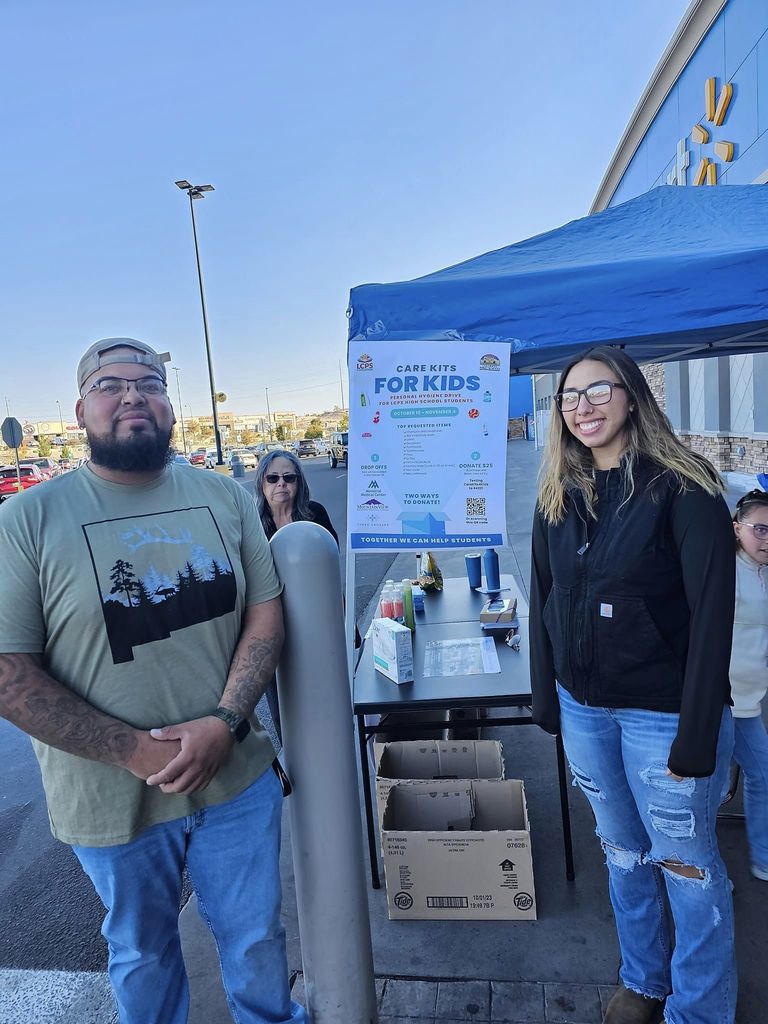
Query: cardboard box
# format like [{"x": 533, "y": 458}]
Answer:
[
  {"x": 392, "y": 650},
  {"x": 458, "y": 851},
  {"x": 420, "y": 762},
  {"x": 498, "y": 610}
]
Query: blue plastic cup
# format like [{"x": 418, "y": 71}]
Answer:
[{"x": 474, "y": 570}]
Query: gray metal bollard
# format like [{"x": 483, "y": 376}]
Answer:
[
  {"x": 320, "y": 757},
  {"x": 238, "y": 466}
]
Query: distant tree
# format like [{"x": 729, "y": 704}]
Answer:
[
  {"x": 65, "y": 452},
  {"x": 280, "y": 433},
  {"x": 44, "y": 447},
  {"x": 123, "y": 579},
  {"x": 315, "y": 428},
  {"x": 344, "y": 422},
  {"x": 248, "y": 437},
  {"x": 144, "y": 598},
  {"x": 192, "y": 576}
]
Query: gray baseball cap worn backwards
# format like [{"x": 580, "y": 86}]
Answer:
[{"x": 102, "y": 353}]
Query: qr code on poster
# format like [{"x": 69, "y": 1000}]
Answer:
[{"x": 475, "y": 507}]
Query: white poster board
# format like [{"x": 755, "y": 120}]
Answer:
[{"x": 427, "y": 445}]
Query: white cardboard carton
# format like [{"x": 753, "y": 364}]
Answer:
[
  {"x": 458, "y": 851},
  {"x": 419, "y": 762},
  {"x": 392, "y": 650}
]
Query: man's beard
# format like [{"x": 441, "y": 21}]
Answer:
[{"x": 140, "y": 452}]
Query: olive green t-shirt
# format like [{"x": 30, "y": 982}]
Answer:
[{"x": 134, "y": 596}]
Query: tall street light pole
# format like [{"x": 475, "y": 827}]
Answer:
[
  {"x": 61, "y": 420},
  {"x": 269, "y": 414},
  {"x": 181, "y": 410},
  {"x": 198, "y": 192}
]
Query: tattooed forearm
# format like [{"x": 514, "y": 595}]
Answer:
[
  {"x": 44, "y": 708},
  {"x": 255, "y": 659}
]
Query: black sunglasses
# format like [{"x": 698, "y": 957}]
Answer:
[{"x": 289, "y": 478}]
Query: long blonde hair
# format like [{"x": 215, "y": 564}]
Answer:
[{"x": 568, "y": 464}]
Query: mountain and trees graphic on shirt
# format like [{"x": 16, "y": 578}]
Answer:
[{"x": 159, "y": 573}]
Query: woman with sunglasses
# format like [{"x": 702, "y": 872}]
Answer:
[
  {"x": 749, "y": 669},
  {"x": 282, "y": 495},
  {"x": 632, "y": 592}
]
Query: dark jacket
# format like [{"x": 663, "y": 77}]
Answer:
[{"x": 635, "y": 610}]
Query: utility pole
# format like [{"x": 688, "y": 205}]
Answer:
[
  {"x": 181, "y": 410},
  {"x": 341, "y": 385},
  {"x": 197, "y": 192},
  {"x": 269, "y": 414}
]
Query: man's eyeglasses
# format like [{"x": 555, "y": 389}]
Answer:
[
  {"x": 289, "y": 478},
  {"x": 114, "y": 387},
  {"x": 599, "y": 393},
  {"x": 760, "y": 529}
]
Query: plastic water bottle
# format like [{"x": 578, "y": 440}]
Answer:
[
  {"x": 398, "y": 609},
  {"x": 409, "y": 619}
]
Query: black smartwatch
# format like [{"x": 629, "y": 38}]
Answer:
[{"x": 238, "y": 726}]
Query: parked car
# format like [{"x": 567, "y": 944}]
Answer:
[
  {"x": 307, "y": 447},
  {"x": 212, "y": 457},
  {"x": 180, "y": 459},
  {"x": 197, "y": 458},
  {"x": 46, "y": 465},
  {"x": 270, "y": 446},
  {"x": 337, "y": 449},
  {"x": 9, "y": 481},
  {"x": 246, "y": 456},
  {"x": 64, "y": 465}
]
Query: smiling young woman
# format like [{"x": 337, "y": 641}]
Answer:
[{"x": 632, "y": 596}]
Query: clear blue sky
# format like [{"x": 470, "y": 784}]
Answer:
[{"x": 348, "y": 142}]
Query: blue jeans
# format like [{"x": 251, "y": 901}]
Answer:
[
  {"x": 645, "y": 821},
  {"x": 232, "y": 854},
  {"x": 751, "y": 753}
]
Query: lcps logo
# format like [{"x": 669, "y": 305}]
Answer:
[{"x": 364, "y": 362}]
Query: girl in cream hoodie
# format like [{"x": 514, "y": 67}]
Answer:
[{"x": 749, "y": 669}]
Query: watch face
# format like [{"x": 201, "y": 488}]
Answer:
[{"x": 242, "y": 730}]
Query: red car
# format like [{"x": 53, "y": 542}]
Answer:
[
  {"x": 197, "y": 458},
  {"x": 47, "y": 466},
  {"x": 9, "y": 484}
]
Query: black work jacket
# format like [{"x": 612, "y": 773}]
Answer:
[{"x": 635, "y": 609}]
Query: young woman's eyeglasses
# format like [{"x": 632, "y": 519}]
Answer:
[
  {"x": 112, "y": 387},
  {"x": 289, "y": 478},
  {"x": 599, "y": 393},
  {"x": 760, "y": 529}
]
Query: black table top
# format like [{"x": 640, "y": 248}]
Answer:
[
  {"x": 458, "y": 603},
  {"x": 374, "y": 693}
]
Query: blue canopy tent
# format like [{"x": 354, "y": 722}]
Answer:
[{"x": 675, "y": 273}]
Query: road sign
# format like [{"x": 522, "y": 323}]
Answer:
[{"x": 12, "y": 432}]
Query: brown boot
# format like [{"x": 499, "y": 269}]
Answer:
[{"x": 628, "y": 1007}]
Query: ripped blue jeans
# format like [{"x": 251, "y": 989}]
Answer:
[{"x": 647, "y": 821}]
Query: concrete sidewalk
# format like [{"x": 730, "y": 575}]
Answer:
[{"x": 557, "y": 970}]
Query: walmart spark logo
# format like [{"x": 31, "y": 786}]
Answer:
[{"x": 715, "y": 112}]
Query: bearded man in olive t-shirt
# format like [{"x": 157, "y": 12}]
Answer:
[{"x": 140, "y": 622}]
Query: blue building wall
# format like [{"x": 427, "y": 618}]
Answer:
[{"x": 734, "y": 50}]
